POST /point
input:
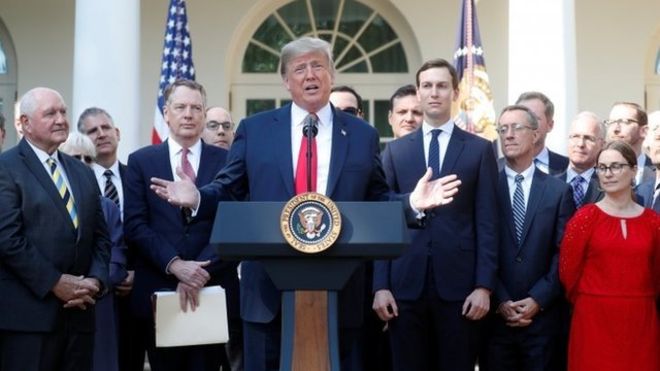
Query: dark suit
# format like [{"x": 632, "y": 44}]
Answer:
[
  {"x": 38, "y": 244},
  {"x": 159, "y": 232},
  {"x": 454, "y": 253},
  {"x": 557, "y": 163},
  {"x": 530, "y": 270},
  {"x": 593, "y": 193},
  {"x": 645, "y": 193},
  {"x": 260, "y": 164},
  {"x": 648, "y": 174}
]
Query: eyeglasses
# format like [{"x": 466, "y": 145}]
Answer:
[
  {"x": 577, "y": 138},
  {"x": 616, "y": 168},
  {"x": 351, "y": 110},
  {"x": 622, "y": 122},
  {"x": 214, "y": 125},
  {"x": 517, "y": 128},
  {"x": 85, "y": 158}
]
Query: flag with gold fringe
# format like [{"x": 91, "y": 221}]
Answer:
[{"x": 473, "y": 110}]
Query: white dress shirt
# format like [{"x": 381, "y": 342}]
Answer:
[
  {"x": 175, "y": 156},
  {"x": 323, "y": 142},
  {"x": 43, "y": 158},
  {"x": 443, "y": 139},
  {"x": 528, "y": 175},
  {"x": 116, "y": 180}
]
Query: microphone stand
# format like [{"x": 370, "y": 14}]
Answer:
[{"x": 309, "y": 130}]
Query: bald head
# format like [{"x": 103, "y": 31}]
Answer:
[
  {"x": 219, "y": 128},
  {"x": 586, "y": 137}
]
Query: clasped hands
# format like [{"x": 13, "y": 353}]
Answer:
[
  {"x": 426, "y": 195},
  {"x": 519, "y": 313},
  {"x": 76, "y": 291},
  {"x": 192, "y": 277}
]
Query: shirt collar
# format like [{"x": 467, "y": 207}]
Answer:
[
  {"x": 175, "y": 148},
  {"x": 586, "y": 175},
  {"x": 447, "y": 127},
  {"x": 298, "y": 115},
  {"x": 99, "y": 170},
  {"x": 42, "y": 155},
  {"x": 544, "y": 157},
  {"x": 527, "y": 173}
]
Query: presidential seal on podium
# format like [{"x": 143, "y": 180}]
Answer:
[{"x": 310, "y": 222}]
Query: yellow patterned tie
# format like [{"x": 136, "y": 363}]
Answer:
[{"x": 63, "y": 191}]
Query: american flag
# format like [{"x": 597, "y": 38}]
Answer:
[
  {"x": 473, "y": 109},
  {"x": 177, "y": 62}
]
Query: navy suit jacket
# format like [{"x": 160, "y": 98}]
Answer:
[
  {"x": 461, "y": 237},
  {"x": 38, "y": 242},
  {"x": 159, "y": 231},
  {"x": 593, "y": 194},
  {"x": 260, "y": 165},
  {"x": 645, "y": 192},
  {"x": 530, "y": 269}
]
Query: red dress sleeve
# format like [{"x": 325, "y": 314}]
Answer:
[{"x": 573, "y": 248}]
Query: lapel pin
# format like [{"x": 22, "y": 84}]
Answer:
[{"x": 343, "y": 132}]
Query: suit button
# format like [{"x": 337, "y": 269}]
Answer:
[{"x": 518, "y": 259}]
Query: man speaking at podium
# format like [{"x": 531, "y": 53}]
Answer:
[{"x": 267, "y": 162}]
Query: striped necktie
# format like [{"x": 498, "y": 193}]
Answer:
[
  {"x": 518, "y": 207},
  {"x": 578, "y": 191},
  {"x": 63, "y": 190},
  {"x": 110, "y": 191}
]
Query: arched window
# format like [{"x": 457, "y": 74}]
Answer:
[
  {"x": 8, "y": 84},
  {"x": 372, "y": 44}
]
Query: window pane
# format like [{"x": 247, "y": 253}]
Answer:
[
  {"x": 391, "y": 59},
  {"x": 272, "y": 33},
  {"x": 354, "y": 16},
  {"x": 253, "y": 106},
  {"x": 353, "y": 54},
  {"x": 376, "y": 34},
  {"x": 259, "y": 60},
  {"x": 3, "y": 60},
  {"x": 296, "y": 17},
  {"x": 366, "y": 111},
  {"x": 357, "y": 68},
  {"x": 284, "y": 102},
  {"x": 325, "y": 13},
  {"x": 380, "y": 118}
]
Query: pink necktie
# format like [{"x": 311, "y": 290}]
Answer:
[{"x": 186, "y": 166}]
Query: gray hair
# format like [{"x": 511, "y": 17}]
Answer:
[
  {"x": 92, "y": 112},
  {"x": 78, "y": 141},
  {"x": 531, "y": 118},
  {"x": 302, "y": 46},
  {"x": 547, "y": 103},
  {"x": 588, "y": 115},
  {"x": 29, "y": 101}
]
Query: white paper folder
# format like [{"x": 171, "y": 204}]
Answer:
[{"x": 206, "y": 325}]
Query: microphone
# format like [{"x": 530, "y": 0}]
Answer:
[{"x": 310, "y": 126}]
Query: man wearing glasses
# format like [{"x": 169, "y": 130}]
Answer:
[
  {"x": 628, "y": 122},
  {"x": 585, "y": 139},
  {"x": 533, "y": 208},
  {"x": 219, "y": 128},
  {"x": 649, "y": 191},
  {"x": 346, "y": 99}
]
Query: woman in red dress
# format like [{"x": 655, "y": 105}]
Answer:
[{"x": 610, "y": 268}]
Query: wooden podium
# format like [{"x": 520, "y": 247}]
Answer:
[{"x": 309, "y": 282}]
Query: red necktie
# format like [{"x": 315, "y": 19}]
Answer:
[
  {"x": 186, "y": 166},
  {"x": 301, "y": 169}
]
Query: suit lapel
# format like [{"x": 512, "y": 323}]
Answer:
[
  {"x": 503, "y": 190},
  {"x": 453, "y": 152},
  {"x": 45, "y": 181},
  {"x": 536, "y": 192},
  {"x": 205, "y": 171},
  {"x": 414, "y": 155},
  {"x": 162, "y": 157},
  {"x": 338, "y": 152},
  {"x": 280, "y": 131}
]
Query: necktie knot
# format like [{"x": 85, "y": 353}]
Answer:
[
  {"x": 519, "y": 178},
  {"x": 108, "y": 174},
  {"x": 435, "y": 133},
  {"x": 578, "y": 180}
]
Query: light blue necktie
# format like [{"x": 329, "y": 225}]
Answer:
[{"x": 519, "y": 207}]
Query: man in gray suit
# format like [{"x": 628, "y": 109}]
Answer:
[{"x": 54, "y": 245}]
